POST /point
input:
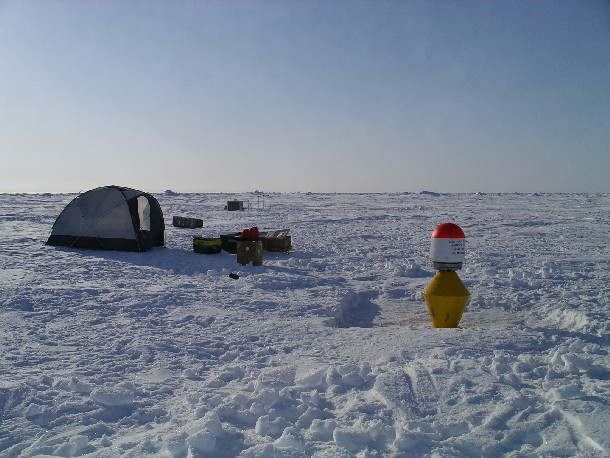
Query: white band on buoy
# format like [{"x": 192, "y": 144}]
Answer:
[{"x": 448, "y": 250}]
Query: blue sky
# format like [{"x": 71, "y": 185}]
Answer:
[{"x": 322, "y": 96}]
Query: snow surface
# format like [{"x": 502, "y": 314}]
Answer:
[{"x": 327, "y": 351}]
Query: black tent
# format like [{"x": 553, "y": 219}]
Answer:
[{"x": 110, "y": 218}]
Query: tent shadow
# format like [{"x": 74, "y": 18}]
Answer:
[{"x": 174, "y": 260}]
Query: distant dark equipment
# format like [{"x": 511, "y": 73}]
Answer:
[{"x": 235, "y": 205}]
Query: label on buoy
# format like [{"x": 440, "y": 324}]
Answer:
[{"x": 448, "y": 244}]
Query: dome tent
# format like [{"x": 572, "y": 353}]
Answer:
[{"x": 110, "y": 218}]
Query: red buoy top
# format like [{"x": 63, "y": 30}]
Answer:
[{"x": 448, "y": 231}]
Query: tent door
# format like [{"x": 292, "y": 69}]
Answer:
[{"x": 144, "y": 213}]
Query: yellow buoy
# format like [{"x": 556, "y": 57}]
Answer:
[{"x": 446, "y": 298}]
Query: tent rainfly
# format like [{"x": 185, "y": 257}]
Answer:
[{"x": 110, "y": 218}]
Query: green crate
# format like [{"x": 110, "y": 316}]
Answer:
[{"x": 207, "y": 245}]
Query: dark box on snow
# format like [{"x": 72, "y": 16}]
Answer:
[
  {"x": 184, "y": 222},
  {"x": 235, "y": 205}
]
